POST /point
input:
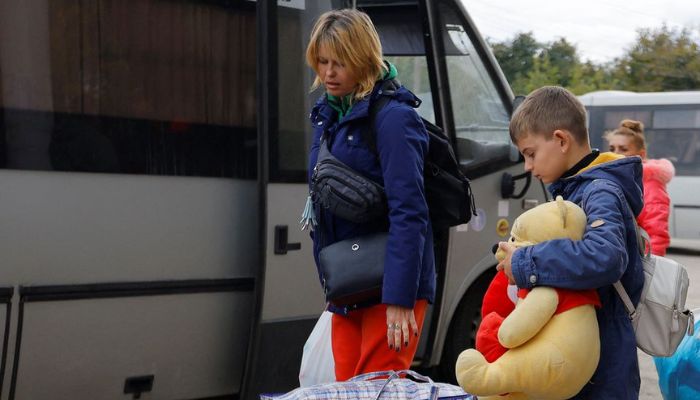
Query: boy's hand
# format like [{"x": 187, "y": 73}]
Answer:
[{"x": 504, "y": 265}]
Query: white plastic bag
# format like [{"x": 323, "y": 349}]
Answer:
[{"x": 317, "y": 364}]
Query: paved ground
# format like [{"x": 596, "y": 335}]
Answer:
[{"x": 688, "y": 255}]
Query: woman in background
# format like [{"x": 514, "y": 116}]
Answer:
[{"x": 628, "y": 139}]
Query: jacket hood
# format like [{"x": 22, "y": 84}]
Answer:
[
  {"x": 659, "y": 170},
  {"x": 626, "y": 172}
]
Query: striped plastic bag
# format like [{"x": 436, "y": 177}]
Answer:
[{"x": 393, "y": 385}]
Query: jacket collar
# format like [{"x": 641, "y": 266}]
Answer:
[
  {"x": 626, "y": 172},
  {"x": 584, "y": 163},
  {"x": 322, "y": 111}
]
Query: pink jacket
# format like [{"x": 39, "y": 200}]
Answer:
[{"x": 654, "y": 215}]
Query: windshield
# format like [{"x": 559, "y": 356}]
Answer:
[{"x": 481, "y": 119}]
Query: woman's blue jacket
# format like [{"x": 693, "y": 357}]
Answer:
[
  {"x": 401, "y": 144},
  {"x": 609, "y": 190}
]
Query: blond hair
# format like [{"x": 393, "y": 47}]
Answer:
[
  {"x": 547, "y": 109},
  {"x": 351, "y": 38},
  {"x": 632, "y": 129}
]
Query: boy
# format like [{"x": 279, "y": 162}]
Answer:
[{"x": 549, "y": 129}]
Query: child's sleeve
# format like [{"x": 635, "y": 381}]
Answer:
[{"x": 599, "y": 259}]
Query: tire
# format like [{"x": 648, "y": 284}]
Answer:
[{"x": 462, "y": 332}]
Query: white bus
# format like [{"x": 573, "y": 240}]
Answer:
[
  {"x": 672, "y": 129},
  {"x": 152, "y": 174}
]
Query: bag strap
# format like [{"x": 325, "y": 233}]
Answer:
[
  {"x": 373, "y": 375},
  {"x": 643, "y": 243},
  {"x": 386, "y": 90},
  {"x": 391, "y": 375},
  {"x": 625, "y": 299}
]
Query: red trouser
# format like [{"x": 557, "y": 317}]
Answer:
[{"x": 360, "y": 342}]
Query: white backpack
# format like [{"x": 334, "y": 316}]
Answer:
[{"x": 660, "y": 319}]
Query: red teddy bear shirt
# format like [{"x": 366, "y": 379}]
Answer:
[{"x": 487, "y": 336}]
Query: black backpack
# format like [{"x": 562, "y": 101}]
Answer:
[{"x": 447, "y": 191}]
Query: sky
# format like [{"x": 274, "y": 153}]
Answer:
[{"x": 600, "y": 29}]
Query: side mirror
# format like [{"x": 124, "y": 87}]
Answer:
[{"x": 517, "y": 101}]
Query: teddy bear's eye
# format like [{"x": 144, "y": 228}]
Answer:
[{"x": 512, "y": 239}]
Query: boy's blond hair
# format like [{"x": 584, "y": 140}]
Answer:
[
  {"x": 630, "y": 128},
  {"x": 351, "y": 38},
  {"x": 547, "y": 109}
]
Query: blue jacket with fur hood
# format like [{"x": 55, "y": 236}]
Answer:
[
  {"x": 609, "y": 190},
  {"x": 401, "y": 142}
]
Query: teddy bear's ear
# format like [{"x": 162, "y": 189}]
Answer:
[{"x": 562, "y": 209}]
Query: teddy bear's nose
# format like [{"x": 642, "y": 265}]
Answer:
[{"x": 494, "y": 249}]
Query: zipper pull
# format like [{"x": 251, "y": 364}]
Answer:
[{"x": 675, "y": 326}]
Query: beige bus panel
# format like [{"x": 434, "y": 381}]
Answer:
[
  {"x": 70, "y": 228},
  {"x": 193, "y": 345}
]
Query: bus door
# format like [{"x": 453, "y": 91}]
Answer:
[{"x": 292, "y": 298}]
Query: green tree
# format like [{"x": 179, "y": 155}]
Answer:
[
  {"x": 587, "y": 77},
  {"x": 516, "y": 57},
  {"x": 564, "y": 56},
  {"x": 661, "y": 59},
  {"x": 543, "y": 73}
]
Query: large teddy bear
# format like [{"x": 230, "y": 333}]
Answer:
[{"x": 548, "y": 346}]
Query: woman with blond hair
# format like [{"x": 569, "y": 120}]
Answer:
[
  {"x": 628, "y": 140},
  {"x": 345, "y": 53}
]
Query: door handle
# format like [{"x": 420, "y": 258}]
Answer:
[{"x": 281, "y": 237}]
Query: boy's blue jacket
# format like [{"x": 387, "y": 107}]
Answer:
[
  {"x": 607, "y": 253},
  {"x": 401, "y": 142}
]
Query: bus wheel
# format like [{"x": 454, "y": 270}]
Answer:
[{"x": 465, "y": 322}]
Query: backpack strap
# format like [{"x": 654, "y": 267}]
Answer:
[
  {"x": 641, "y": 248},
  {"x": 629, "y": 306},
  {"x": 643, "y": 242},
  {"x": 387, "y": 89}
]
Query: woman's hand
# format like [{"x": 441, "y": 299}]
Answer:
[{"x": 400, "y": 324}]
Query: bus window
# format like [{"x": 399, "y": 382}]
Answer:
[
  {"x": 402, "y": 44},
  {"x": 165, "y": 88},
  {"x": 481, "y": 119},
  {"x": 680, "y": 146},
  {"x": 670, "y": 133},
  {"x": 413, "y": 73},
  {"x": 290, "y": 147},
  {"x": 670, "y": 119},
  {"x": 613, "y": 118}
]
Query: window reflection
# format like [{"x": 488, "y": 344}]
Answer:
[
  {"x": 413, "y": 74},
  {"x": 129, "y": 86},
  {"x": 481, "y": 120}
]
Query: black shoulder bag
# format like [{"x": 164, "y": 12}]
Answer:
[{"x": 352, "y": 270}]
